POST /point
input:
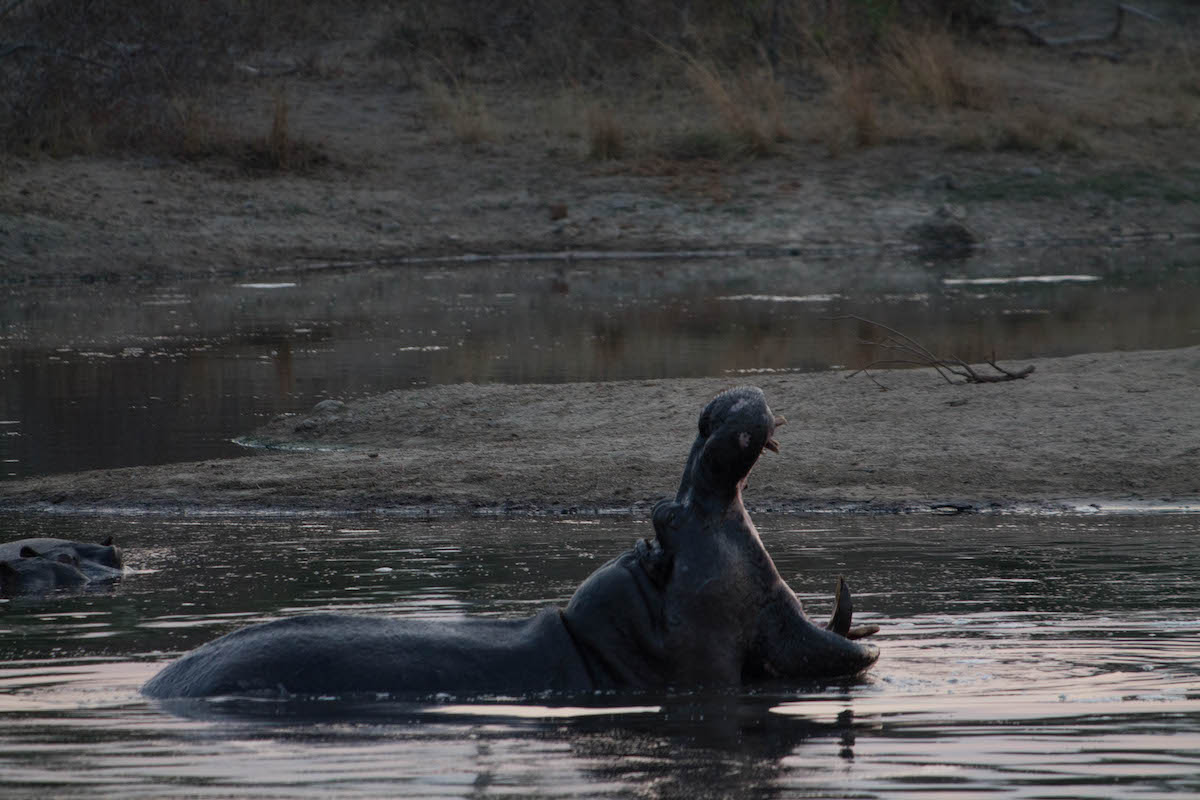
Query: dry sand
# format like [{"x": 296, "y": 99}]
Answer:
[{"x": 1116, "y": 429}]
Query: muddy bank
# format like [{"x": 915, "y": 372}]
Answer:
[
  {"x": 397, "y": 186},
  {"x": 1116, "y": 427},
  {"x": 122, "y": 220}
]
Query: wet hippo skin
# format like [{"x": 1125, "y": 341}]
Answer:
[
  {"x": 698, "y": 605},
  {"x": 97, "y": 561},
  {"x": 30, "y": 572},
  {"x": 40, "y": 565}
]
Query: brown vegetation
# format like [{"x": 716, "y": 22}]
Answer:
[
  {"x": 462, "y": 109},
  {"x": 706, "y": 79},
  {"x": 605, "y": 134}
]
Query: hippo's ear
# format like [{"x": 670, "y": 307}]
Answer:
[
  {"x": 108, "y": 542},
  {"x": 29, "y": 552}
]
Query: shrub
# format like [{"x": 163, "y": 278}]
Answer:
[
  {"x": 86, "y": 75},
  {"x": 606, "y": 136}
]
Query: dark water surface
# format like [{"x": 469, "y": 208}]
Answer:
[
  {"x": 1022, "y": 657},
  {"x": 104, "y": 375}
]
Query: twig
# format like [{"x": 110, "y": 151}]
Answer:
[
  {"x": 1043, "y": 41},
  {"x": 16, "y": 48},
  {"x": 1004, "y": 375},
  {"x": 914, "y": 353},
  {"x": 1138, "y": 12},
  {"x": 919, "y": 359}
]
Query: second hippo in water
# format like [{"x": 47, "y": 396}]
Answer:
[
  {"x": 101, "y": 561},
  {"x": 699, "y": 605},
  {"x": 31, "y": 572},
  {"x": 42, "y": 564}
]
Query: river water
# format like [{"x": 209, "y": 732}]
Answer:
[
  {"x": 1022, "y": 657},
  {"x": 96, "y": 375}
]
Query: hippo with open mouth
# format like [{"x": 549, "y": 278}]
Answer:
[{"x": 699, "y": 605}]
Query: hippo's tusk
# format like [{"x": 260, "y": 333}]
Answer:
[
  {"x": 843, "y": 608},
  {"x": 861, "y": 631},
  {"x": 771, "y": 445},
  {"x": 843, "y": 611},
  {"x": 780, "y": 420}
]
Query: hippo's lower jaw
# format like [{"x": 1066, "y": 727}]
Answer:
[{"x": 792, "y": 648}]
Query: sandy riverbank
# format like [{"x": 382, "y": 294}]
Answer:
[{"x": 1116, "y": 428}]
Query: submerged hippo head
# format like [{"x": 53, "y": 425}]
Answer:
[
  {"x": 105, "y": 554},
  {"x": 101, "y": 561},
  {"x": 32, "y": 572}
]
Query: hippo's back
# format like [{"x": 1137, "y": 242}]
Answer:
[{"x": 345, "y": 654}]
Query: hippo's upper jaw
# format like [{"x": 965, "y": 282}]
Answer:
[{"x": 734, "y": 429}]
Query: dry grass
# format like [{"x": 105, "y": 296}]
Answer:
[
  {"x": 930, "y": 69},
  {"x": 103, "y": 77},
  {"x": 854, "y": 116},
  {"x": 202, "y": 132},
  {"x": 280, "y": 150},
  {"x": 749, "y": 108},
  {"x": 1163, "y": 92},
  {"x": 1025, "y": 128},
  {"x": 463, "y": 109},
  {"x": 279, "y": 144},
  {"x": 1186, "y": 68},
  {"x": 699, "y": 88},
  {"x": 205, "y": 131},
  {"x": 1033, "y": 128},
  {"x": 606, "y": 134}
]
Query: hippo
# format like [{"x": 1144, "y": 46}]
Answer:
[
  {"x": 31, "y": 572},
  {"x": 97, "y": 561},
  {"x": 699, "y": 605}
]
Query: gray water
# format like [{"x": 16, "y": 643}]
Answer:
[
  {"x": 116, "y": 374},
  {"x": 1022, "y": 657}
]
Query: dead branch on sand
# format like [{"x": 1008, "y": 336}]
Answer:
[
  {"x": 1038, "y": 39},
  {"x": 913, "y": 353}
]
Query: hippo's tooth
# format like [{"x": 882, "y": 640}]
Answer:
[
  {"x": 780, "y": 420},
  {"x": 771, "y": 445}
]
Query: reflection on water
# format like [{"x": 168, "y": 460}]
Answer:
[
  {"x": 1022, "y": 657},
  {"x": 1000, "y": 281},
  {"x": 113, "y": 375}
]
